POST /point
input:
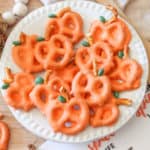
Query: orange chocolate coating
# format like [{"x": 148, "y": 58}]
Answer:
[
  {"x": 17, "y": 95},
  {"x": 24, "y": 56},
  {"x": 68, "y": 23}
]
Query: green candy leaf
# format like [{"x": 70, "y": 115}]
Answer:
[
  {"x": 16, "y": 43},
  {"x": 52, "y": 15},
  {"x": 62, "y": 99},
  {"x": 102, "y": 19},
  {"x": 39, "y": 80},
  {"x": 120, "y": 54},
  {"x": 40, "y": 38},
  {"x": 116, "y": 94},
  {"x": 5, "y": 86},
  {"x": 85, "y": 43},
  {"x": 100, "y": 72}
]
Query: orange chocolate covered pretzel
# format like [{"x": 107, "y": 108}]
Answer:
[
  {"x": 70, "y": 118},
  {"x": 68, "y": 23},
  {"x": 109, "y": 113},
  {"x": 100, "y": 52},
  {"x": 55, "y": 53},
  {"x": 104, "y": 115},
  {"x": 115, "y": 33},
  {"x": 23, "y": 54},
  {"x": 93, "y": 90},
  {"x": 4, "y": 136},
  {"x": 42, "y": 94},
  {"x": 17, "y": 94},
  {"x": 126, "y": 76}
]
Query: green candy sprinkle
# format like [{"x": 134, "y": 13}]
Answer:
[
  {"x": 5, "y": 86},
  {"x": 102, "y": 19},
  {"x": 16, "y": 43},
  {"x": 120, "y": 54},
  {"x": 85, "y": 43},
  {"x": 52, "y": 15},
  {"x": 39, "y": 80},
  {"x": 100, "y": 72},
  {"x": 62, "y": 99},
  {"x": 116, "y": 94},
  {"x": 40, "y": 38}
]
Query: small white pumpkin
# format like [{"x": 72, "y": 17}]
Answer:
[
  {"x": 9, "y": 17},
  {"x": 20, "y": 9},
  {"x": 22, "y": 1}
]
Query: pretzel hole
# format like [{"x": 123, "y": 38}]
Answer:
[
  {"x": 56, "y": 85},
  {"x": 35, "y": 62},
  {"x": 53, "y": 29},
  {"x": 76, "y": 107},
  {"x": 43, "y": 95},
  {"x": 120, "y": 81},
  {"x": 57, "y": 113},
  {"x": 117, "y": 79},
  {"x": 69, "y": 35},
  {"x": 97, "y": 87},
  {"x": 92, "y": 112},
  {"x": 58, "y": 58},
  {"x": 85, "y": 95},
  {"x": 43, "y": 51},
  {"x": 83, "y": 81},
  {"x": 69, "y": 124},
  {"x": 58, "y": 43},
  {"x": 115, "y": 62},
  {"x": 27, "y": 94},
  {"x": 69, "y": 23},
  {"x": 75, "y": 110},
  {"x": 85, "y": 56},
  {"x": 100, "y": 52}
]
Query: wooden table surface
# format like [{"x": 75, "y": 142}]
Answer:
[{"x": 20, "y": 137}]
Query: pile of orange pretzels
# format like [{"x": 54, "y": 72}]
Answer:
[{"x": 80, "y": 86}]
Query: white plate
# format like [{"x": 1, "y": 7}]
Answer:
[{"x": 35, "y": 23}]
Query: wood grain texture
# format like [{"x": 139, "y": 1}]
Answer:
[{"x": 20, "y": 137}]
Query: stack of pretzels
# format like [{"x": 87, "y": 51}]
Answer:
[{"x": 81, "y": 86}]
